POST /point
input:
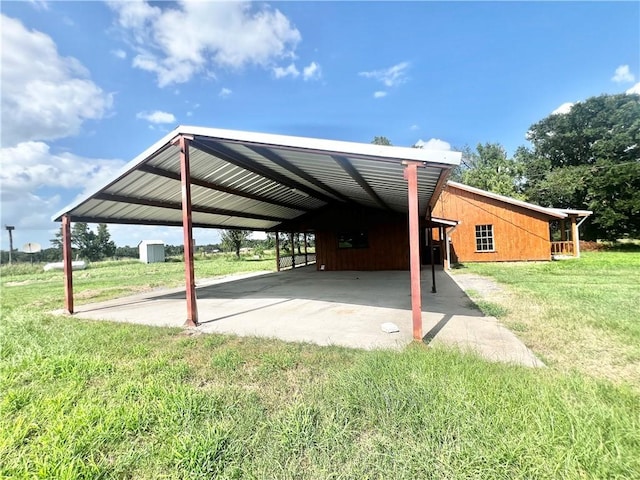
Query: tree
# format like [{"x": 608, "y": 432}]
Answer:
[
  {"x": 488, "y": 168},
  {"x": 589, "y": 158},
  {"x": 234, "y": 239},
  {"x": 88, "y": 244},
  {"x": 381, "y": 141}
]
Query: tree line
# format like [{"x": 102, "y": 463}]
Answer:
[{"x": 587, "y": 158}]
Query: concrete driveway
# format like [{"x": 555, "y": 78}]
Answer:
[{"x": 325, "y": 308}]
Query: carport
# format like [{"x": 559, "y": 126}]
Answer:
[{"x": 213, "y": 178}]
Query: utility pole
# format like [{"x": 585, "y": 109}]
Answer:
[{"x": 10, "y": 229}]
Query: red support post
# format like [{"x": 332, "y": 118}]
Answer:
[
  {"x": 411, "y": 175},
  {"x": 278, "y": 251},
  {"x": 187, "y": 227},
  {"x": 68, "y": 267}
]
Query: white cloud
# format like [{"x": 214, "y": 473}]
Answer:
[
  {"x": 176, "y": 42},
  {"x": 390, "y": 77},
  {"x": 290, "y": 71},
  {"x": 379, "y": 94},
  {"x": 157, "y": 116},
  {"x": 414, "y": 127},
  {"x": 225, "y": 93},
  {"x": 119, "y": 53},
  {"x": 29, "y": 173},
  {"x": 635, "y": 89},
  {"x": 433, "y": 144},
  {"x": 623, "y": 75},
  {"x": 312, "y": 71},
  {"x": 562, "y": 109},
  {"x": 44, "y": 96}
]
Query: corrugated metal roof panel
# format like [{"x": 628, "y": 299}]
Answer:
[{"x": 232, "y": 173}]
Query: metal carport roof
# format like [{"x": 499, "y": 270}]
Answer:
[{"x": 258, "y": 181}]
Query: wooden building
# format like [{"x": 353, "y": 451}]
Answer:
[{"x": 491, "y": 227}]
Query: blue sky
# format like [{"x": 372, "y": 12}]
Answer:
[{"x": 86, "y": 86}]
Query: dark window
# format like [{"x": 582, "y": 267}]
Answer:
[
  {"x": 354, "y": 239},
  {"x": 484, "y": 238}
]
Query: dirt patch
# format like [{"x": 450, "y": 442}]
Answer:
[{"x": 18, "y": 284}]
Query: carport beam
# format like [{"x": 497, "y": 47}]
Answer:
[
  {"x": 187, "y": 228},
  {"x": 277, "y": 251},
  {"x": 68, "y": 267},
  {"x": 411, "y": 176}
]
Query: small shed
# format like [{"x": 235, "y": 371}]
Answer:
[{"x": 151, "y": 251}]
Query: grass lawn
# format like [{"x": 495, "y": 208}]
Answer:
[
  {"x": 576, "y": 314},
  {"x": 81, "y": 399}
]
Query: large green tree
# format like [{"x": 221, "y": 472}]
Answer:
[
  {"x": 489, "y": 168},
  {"x": 589, "y": 158},
  {"x": 233, "y": 240},
  {"x": 88, "y": 244}
]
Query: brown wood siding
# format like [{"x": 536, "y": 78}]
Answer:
[
  {"x": 519, "y": 234},
  {"x": 387, "y": 234},
  {"x": 388, "y": 250}
]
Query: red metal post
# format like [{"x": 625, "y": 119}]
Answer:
[
  {"x": 187, "y": 227},
  {"x": 66, "y": 259},
  {"x": 278, "y": 251},
  {"x": 411, "y": 175}
]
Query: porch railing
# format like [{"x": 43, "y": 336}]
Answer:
[
  {"x": 301, "y": 260},
  {"x": 562, "y": 248}
]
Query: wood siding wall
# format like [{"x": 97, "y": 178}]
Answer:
[
  {"x": 519, "y": 234},
  {"x": 388, "y": 241}
]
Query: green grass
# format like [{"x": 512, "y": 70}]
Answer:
[
  {"x": 81, "y": 399},
  {"x": 579, "y": 314}
]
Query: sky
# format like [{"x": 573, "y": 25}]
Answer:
[{"x": 87, "y": 86}]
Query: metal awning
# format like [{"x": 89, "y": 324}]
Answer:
[{"x": 258, "y": 181}]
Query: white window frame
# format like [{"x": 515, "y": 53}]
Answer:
[{"x": 485, "y": 238}]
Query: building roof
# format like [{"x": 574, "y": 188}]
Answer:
[
  {"x": 258, "y": 181},
  {"x": 552, "y": 212}
]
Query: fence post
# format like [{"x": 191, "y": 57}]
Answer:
[
  {"x": 277, "y": 251},
  {"x": 293, "y": 253}
]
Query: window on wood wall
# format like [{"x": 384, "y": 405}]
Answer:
[{"x": 484, "y": 238}]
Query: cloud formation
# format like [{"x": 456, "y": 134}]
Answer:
[
  {"x": 45, "y": 99},
  {"x": 389, "y": 77},
  {"x": 379, "y": 94},
  {"x": 623, "y": 75},
  {"x": 635, "y": 89},
  {"x": 433, "y": 144},
  {"x": 290, "y": 71},
  {"x": 176, "y": 42},
  {"x": 157, "y": 116},
  {"x": 562, "y": 109},
  {"x": 225, "y": 92},
  {"x": 26, "y": 198},
  {"x": 312, "y": 71}
]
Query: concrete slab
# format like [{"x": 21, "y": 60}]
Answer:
[{"x": 325, "y": 308}]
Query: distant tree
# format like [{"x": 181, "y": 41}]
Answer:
[
  {"x": 234, "y": 239},
  {"x": 381, "y": 141},
  {"x": 88, "y": 244},
  {"x": 488, "y": 168},
  {"x": 589, "y": 158},
  {"x": 106, "y": 246}
]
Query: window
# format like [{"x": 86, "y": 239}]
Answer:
[
  {"x": 353, "y": 240},
  {"x": 484, "y": 238}
]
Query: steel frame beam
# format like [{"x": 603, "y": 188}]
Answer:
[
  {"x": 220, "y": 188},
  {"x": 68, "y": 267},
  {"x": 187, "y": 227},
  {"x": 278, "y": 160},
  {"x": 225, "y": 153},
  {"x": 411, "y": 176},
  {"x": 348, "y": 167},
  {"x": 150, "y": 202}
]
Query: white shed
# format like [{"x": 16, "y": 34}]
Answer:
[{"x": 151, "y": 251}]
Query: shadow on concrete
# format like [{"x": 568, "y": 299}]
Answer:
[{"x": 386, "y": 289}]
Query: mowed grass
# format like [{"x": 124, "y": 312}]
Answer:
[
  {"x": 579, "y": 314},
  {"x": 81, "y": 399}
]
